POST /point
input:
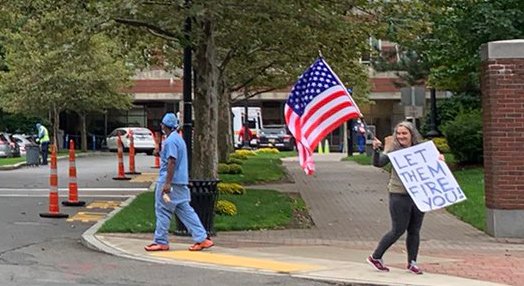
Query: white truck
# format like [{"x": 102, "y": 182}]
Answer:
[{"x": 254, "y": 121}]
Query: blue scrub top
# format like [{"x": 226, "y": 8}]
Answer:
[{"x": 174, "y": 146}]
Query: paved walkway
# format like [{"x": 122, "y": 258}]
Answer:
[{"x": 348, "y": 204}]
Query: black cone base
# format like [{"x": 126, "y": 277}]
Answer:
[
  {"x": 54, "y": 215},
  {"x": 122, "y": 178},
  {"x": 133, "y": 173},
  {"x": 74, "y": 204}
]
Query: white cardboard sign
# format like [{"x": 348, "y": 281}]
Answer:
[{"x": 427, "y": 179}]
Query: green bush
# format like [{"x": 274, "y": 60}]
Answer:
[
  {"x": 231, "y": 188},
  {"x": 223, "y": 168},
  {"x": 235, "y": 161},
  {"x": 235, "y": 169},
  {"x": 225, "y": 207},
  {"x": 442, "y": 144},
  {"x": 237, "y": 156},
  {"x": 464, "y": 135},
  {"x": 229, "y": 169}
]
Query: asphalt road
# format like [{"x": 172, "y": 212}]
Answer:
[{"x": 43, "y": 251}]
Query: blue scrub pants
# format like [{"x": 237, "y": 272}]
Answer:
[
  {"x": 361, "y": 143},
  {"x": 179, "y": 205}
]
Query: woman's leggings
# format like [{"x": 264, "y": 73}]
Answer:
[{"x": 404, "y": 216}]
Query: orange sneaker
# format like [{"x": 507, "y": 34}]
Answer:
[
  {"x": 156, "y": 247},
  {"x": 201, "y": 245}
]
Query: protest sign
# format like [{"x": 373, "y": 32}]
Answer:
[{"x": 427, "y": 179}]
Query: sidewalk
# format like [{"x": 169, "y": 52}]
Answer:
[{"x": 348, "y": 204}]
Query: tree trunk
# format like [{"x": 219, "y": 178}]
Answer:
[
  {"x": 56, "y": 121},
  {"x": 83, "y": 131},
  {"x": 205, "y": 158},
  {"x": 224, "y": 139}
]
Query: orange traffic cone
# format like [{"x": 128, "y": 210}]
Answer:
[
  {"x": 132, "y": 170},
  {"x": 54, "y": 211},
  {"x": 121, "y": 175},
  {"x": 73, "y": 185},
  {"x": 157, "y": 150}
]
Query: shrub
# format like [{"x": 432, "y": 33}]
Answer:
[
  {"x": 464, "y": 135},
  {"x": 245, "y": 152},
  {"x": 231, "y": 188},
  {"x": 223, "y": 168},
  {"x": 237, "y": 156},
  {"x": 235, "y": 161},
  {"x": 225, "y": 207},
  {"x": 229, "y": 169},
  {"x": 235, "y": 169},
  {"x": 268, "y": 151},
  {"x": 442, "y": 144}
]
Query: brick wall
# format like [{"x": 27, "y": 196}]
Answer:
[{"x": 502, "y": 85}]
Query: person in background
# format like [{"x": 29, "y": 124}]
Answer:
[
  {"x": 405, "y": 216},
  {"x": 242, "y": 135},
  {"x": 43, "y": 140},
  {"x": 172, "y": 193},
  {"x": 360, "y": 130}
]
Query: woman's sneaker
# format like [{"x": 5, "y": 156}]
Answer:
[
  {"x": 413, "y": 268},
  {"x": 377, "y": 264}
]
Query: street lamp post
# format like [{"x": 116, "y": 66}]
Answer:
[
  {"x": 188, "y": 116},
  {"x": 433, "y": 132}
]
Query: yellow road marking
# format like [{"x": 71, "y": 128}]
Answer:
[
  {"x": 86, "y": 217},
  {"x": 145, "y": 177},
  {"x": 234, "y": 260},
  {"x": 103, "y": 205}
]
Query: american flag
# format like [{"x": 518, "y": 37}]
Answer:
[{"x": 317, "y": 104}]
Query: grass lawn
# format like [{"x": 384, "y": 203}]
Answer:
[
  {"x": 362, "y": 159},
  {"x": 472, "y": 210},
  {"x": 259, "y": 169},
  {"x": 11, "y": 161},
  {"x": 257, "y": 209}
]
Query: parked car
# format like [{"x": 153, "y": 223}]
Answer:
[
  {"x": 23, "y": 140},
  {"x": 8, "y": 146},
  {"x": 276, "y": 136},
  {"x": 142, "y": 137}
]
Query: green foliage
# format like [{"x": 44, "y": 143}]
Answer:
[
  {"x": 223, "y": 168},
  {"x": 449, "y": 108},
  {"x": 231, "y": 188},
  {"x": 229, "y": 169},
  {"x": 235, "y": 169},
  {"x": 225, "y": 207},
  {"x": 464, "y": 135},
  {"x": 442, "y": 144},
  {"x": 361, "y": 159},
  {"x": 447, "y": 35},
  {"x": 235, "y": 161}
]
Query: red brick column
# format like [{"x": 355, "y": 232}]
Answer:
[{"x": 502, "y": 85}]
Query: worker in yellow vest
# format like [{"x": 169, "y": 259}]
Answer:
[{"x": 43, "y": 139}]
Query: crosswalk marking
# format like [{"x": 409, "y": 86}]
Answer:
[
  {"x": 86, "y": 217},
  {"x": 103, "y": 205}
]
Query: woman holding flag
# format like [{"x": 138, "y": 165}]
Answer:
[{"x": 405, "y": 216}]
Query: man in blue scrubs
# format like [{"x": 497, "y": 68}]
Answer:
[{"x": 172, "y": 193}]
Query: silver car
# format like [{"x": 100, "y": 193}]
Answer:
[
  {"x": 142, "y": 138},
  {"x": 8, "y": 146}
]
